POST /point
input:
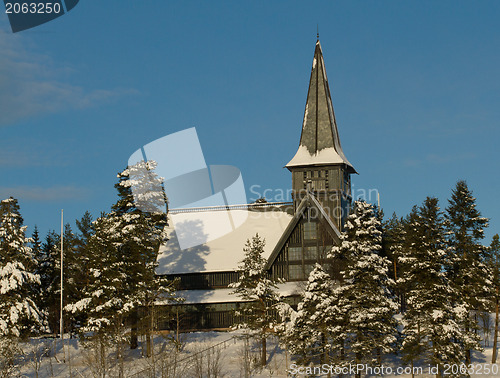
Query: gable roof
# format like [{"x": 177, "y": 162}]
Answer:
[
  {"x": 309, "y": 201},
  {"x": 319, "y": 140},
  {"x": 226, "y": 252}
]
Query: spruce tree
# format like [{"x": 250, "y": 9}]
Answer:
[
  {"x": 72, "y": 273},
  {"x": 49, "y": 271},
  {"x": 19, "y": 314},
  {"x": 431, "y": 322},
  {"x": 36, "y": 251},
  {"x": 468, "y": 270},
  {"x": 309, "y": 331},
  {"x": 365, "y": 296},
  {"x": 105, "y": 301},
  {"x": 36, "y": 243},
  {"x": 258, "y": 291},
  {"x": 85, "y": 231},
  {"x": 494, "y": 263},
  {"x": 392, "y": 242}
]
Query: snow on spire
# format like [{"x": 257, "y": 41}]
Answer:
[{"x": 319, "y": 141}]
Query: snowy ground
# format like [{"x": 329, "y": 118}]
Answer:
[{"x": 205, "y": 354}]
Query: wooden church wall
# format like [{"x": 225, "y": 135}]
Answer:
[{"x": 308, "y": 244}]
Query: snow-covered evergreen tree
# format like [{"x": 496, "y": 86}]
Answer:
[
  {"x": 106, "y": 301},
  {"x": 468, "y": 270},
  {"x": 19, "y": 313},
  {"x": 494, "y": 263},
  {"x": 308, "y": 333},
  {"x": 258, "y": 292},
  {"x": 393, "y": 245},
  {"x": 139, "y": 220},
  {"x": 72, "y": 276},
  {"x": 364, "y": 295},
  {"x": 432, "y": 322},
  {"x": 48, "y": 268}
]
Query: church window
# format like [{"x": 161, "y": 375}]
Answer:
[
  {"x": 295, "y": 272},
  {"x": 310, "y": 232},
  {"x": 310, "y": 253},
  {"x": 294, "y": 253}
]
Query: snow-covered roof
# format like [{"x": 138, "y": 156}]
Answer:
[
  {"x": 225, "y": 252},
  {"x": 224, "y": 295},
  {"x": 325, "y": 156}
]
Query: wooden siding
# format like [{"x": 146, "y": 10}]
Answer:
[
  {"x": 202, "y": 281},
  {"x": 204, "y": 316}
]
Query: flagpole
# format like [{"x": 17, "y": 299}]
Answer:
[{"x": 61, "y": 325}]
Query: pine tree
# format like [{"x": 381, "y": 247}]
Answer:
[
  {"x": 468, "y": 270},
  {"x": 19, "y": 313},
  {"x": 48, "y": 268},
  {"x": 72, "y": 273},
  {"x": 365, "y": 297},
  {"x": 85, "y": 231},
  {"x": 494, "y": 263},
  {"x": 138, "y": 218},
  {"x": 36, "y": 251},
  {"x": 36, "y": 243},
  {"x": 258, "y": 291},
  {"x": 309, "y": 331},
  {"x": 105, "y": 300},
  {"x": 432, "y": 322},
  {"x": 392, "y": 242}
]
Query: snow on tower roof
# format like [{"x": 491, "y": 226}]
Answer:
[{"x": 319, "y": 141}]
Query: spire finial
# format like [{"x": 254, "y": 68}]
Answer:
[{"x": 317, "y": 32}]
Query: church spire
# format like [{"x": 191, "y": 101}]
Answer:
[{"x": 319, "y": 141}]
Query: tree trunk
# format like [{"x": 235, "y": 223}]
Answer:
[
  {"x": 152, "y": 344},
  {"x": 102, "y": 357},
  {"x": 324, "y": 356},
  {"x": 264, "y": 351},
  {"x": 177, "y": 330},
  {"x": 342, "y": 354},
  {"x": 148, "y": 328},
  {"x": 134, "y": 317},
  {"x": 358, "y": 361},
  {"x": 495, "y": 339},
  {"x": 467, "y": 357}
]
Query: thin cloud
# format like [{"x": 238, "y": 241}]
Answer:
[
  {"x": 22, "y": 157},
  {"x": 35, "y": 194},
  {"x": 438, "y": 159},
  {"x": 32, "y": 84}
]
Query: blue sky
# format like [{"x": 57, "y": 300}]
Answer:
[{"x": 415, "y": 87}]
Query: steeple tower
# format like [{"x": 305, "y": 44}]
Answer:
[{"x": 320, "y": 165}]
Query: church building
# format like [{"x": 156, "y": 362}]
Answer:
[{"x": 298, "y": 234}]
